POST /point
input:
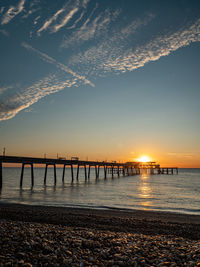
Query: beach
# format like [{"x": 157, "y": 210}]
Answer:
[{"x": 56, "y": 236}]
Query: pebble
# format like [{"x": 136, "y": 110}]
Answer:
[{"x": 34, "y": 244}]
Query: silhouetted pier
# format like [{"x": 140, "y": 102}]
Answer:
[{"x": 113, "y": 168}]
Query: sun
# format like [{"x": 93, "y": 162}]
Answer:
[{"x": 144, "y": 159}]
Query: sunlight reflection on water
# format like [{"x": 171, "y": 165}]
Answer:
[{"x": 145, "y": 190}]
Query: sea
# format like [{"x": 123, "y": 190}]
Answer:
[{"x": 178, "y": 193}]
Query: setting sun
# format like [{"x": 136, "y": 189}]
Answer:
[{"x": 144, "y": 159}]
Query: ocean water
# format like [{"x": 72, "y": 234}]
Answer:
[{"x": 175, "y": 193}]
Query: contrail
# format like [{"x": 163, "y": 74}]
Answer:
[{"x": 58, "y": 64}]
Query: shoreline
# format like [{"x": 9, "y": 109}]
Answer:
[
  {"x": 68, "y": 237},
  {"x": 139, "y": 221}
]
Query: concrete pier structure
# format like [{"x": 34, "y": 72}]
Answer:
[{"x": 113, "y": 168}]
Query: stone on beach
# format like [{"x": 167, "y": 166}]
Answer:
[{"x": 35, "y": 244}]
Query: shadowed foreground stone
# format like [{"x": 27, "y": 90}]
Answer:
[{"x": 48, "y": 236}]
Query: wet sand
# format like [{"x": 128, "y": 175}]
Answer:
[{"x": 39, "y": 236}]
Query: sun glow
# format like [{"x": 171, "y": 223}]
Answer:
[{"x": 144, "y": 159}]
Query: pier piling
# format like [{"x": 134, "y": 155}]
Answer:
[
  {"x": 77, "y": 174},
  {"x": 32, "y": 176},
  {"x": 72, "y": 173},
  {"x": 96, "y": 172},
  {"x": 105, "y": 172},
  {"x": 54, "y": 166},
  {"x": 1, "y": 175},
  {"x": 85, "y": 167},
  {"x": 89, "y": 172},
  {"x": 63, "y": 176},
  {"x": 45, "y": 174},
  {"x": 22, "y": 175}
]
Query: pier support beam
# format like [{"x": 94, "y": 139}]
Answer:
[
  {"x": 22, "y": 175},
  {"x": 105, "y": 172},
  {"x": 54, "y": 166},
  {"x": 63, "y": 175},
  {"x": 77, "y": 174},
  {"x": 32, "y": 176},
  {"x": 1, "y": 175},
  {"x": 85, "y": 167},
  {"x": 45, "y": 174},
  {"x": 89, "y": 172},
  {"x": 96, "y": 172},
  {"x": 123, "y": 171},
  {"x": 72, "y": 173}
]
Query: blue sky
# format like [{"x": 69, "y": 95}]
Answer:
[{"x": 101, "y": 79}]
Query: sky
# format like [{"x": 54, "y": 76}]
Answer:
[{"x": 101, "y": 80}]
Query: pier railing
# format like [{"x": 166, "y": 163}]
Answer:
[{"x": 113, "y": 168}]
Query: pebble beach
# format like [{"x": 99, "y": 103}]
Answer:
[{"x": 50, "y": 236}]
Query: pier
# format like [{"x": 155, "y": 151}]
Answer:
[{"x": 113, "y": 168}]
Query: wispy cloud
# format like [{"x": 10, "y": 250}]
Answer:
[
  {"x": 57, "y": 64},
  {"x": 50, "y": 21},
  {"x": 4, "y": 32},
  {"x": 63, "y": 16},
  {"x": 2, "y": 10},
  {"x": 113, "y": 45},
  {"x": 115, "y": 54},
  {"x": 91, "y": 28},
  {"x": 51, "y": 84},
  {"x": 85, "y": 2},
  {"x": 4, "y": 89},
  {"x": 77, "y": 21},
  {"x": 154, "y": 50},
  {"x": 36, "y": 20},
  {"x": 65, "y": 20},
  {"x": 12, "y": 12}
]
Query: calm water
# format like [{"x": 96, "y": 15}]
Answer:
[{"x": 175, "y": 193}]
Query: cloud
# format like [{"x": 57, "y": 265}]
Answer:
[
  {"x": 154, "y": 50},
  {"x": 36, "y": 20},
  {"x": 76, "y": 21},
  {"x": 115, "y": 55},
  {"x": 67, "y": 12},
  {"x": 113, "y": 45},
  {"x": 4, "y": 32},
  {"x": 10, "y": 106},
  {"x": 4, "y": 89},
  {"x": 50, "y": 21},
  {"x": 85, "y": 2},
  {"x": 58, "y": 64},
  {"x": 65, "y": 20},
  {"x": 90, "y": 28},
  {"x": 16, "y": 98},
  {"x": 12, "y": 12}
]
